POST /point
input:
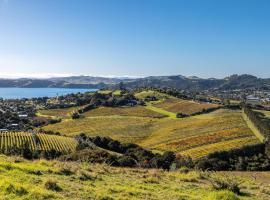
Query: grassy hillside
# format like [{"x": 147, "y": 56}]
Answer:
[
  {"x": 21, "y": 179},
  {"x": 57, "y": 113},
  {"x": 38, "y": 141},
  {"x": 147, "y": 93},
  {"x": 184, "y": 106},
  {"x": 123, "y": 128},
  {"x": 220, "y": 130},
  {"x": 138, "y": 111}
]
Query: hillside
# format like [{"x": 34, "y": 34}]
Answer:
[
  {"x": 193, "y": 136},
  {"x": 41, "y": 179},
  {"x": 177, "y": 81},
  {"x": 37, "y": 141},
  {"x": 184, "y": 106}
]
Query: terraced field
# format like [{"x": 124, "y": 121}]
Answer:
[
  {"x": 137, "y": 111},
  {"x": 220, "y": 130},
  {"x": 184, "y": 106},
  {"x": 36, "y": 141}
]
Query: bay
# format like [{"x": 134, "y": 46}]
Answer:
[{"x": 19, "y": 93}]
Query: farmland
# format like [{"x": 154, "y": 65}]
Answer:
[
  {"x": 138, "y": 111},
  {"x": 64, "y": 113},
  {"x": 123, "y": 128},
  {"x": 217, "y": 129},
  {"x": 184, "y": 106},
  {"x": 22, "y": 179},
  {"x": 37, "y": 141},
  {"x": 147, "y": 93}
]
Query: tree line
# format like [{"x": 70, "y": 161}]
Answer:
[{"x": 261, "y": 123}]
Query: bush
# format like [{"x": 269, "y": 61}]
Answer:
[
  {"x": 52, "y": 185},
  {"x": 75, "y": 115},
  {"x": 127, "y": 161},
  {"x": 19, "y": 191},
  {"x": 223, "y": 182}
]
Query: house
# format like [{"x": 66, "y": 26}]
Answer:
[
  {"x": 254, "y": 101},
  {"x": 23, "y": 116}
]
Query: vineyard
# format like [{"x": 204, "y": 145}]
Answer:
[
  {"x": 217, "y": 129},
  {"x": 184, "y": 106},
  {"x": 204, "y": 150},
  {"x": 64, "y": 113},
  {"x": 137, "y": 111},
  {"x": 123, "y": 128},
  {"x": 37, "y": 141}
]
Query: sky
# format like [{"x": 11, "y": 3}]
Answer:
[{"x": 205, "y": 38}]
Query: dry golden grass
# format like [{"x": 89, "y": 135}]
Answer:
[
  {"x": 137, "y": 111},
  {"x": 184, "y": 106}
]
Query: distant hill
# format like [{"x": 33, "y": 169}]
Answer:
[
  {"x": 197, "y": 84},
  {"x": 180, "y": 82}
]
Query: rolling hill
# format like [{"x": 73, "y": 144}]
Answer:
[
  {"x": 177, "y": 81},
  {"x": 219, "y": 130},
  {"x": 42, "y": 179}
]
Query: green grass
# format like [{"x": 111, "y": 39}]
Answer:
[
  {"x": 146, "y": 93},
  {"x": 161, "y": 111},
  {"x": 26, "y": 180},
  {"x": 115, "y": 92}
]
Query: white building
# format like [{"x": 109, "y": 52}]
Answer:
[{"x": 254, "y": 101}]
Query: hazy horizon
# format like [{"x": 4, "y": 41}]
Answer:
[{"x": 47, "y": 76}]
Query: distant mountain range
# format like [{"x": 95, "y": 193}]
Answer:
[{"x": 180, "y": 82}]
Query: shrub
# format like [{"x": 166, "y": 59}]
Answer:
[
  {"x": 75, "y": 115},
  {"x": 52, "y": 185},
  {"x": 223, "y": 182},
  {"x": 127, "y": 161},
  {"x": 19, "y": 191},
  {"x": 84, "y": 176},
  {"x": 66, "y": 170}
]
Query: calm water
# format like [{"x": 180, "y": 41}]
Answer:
[{"x": 18, "y": 93}]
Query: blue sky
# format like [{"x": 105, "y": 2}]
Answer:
[{"x": 206, "y": 38}]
